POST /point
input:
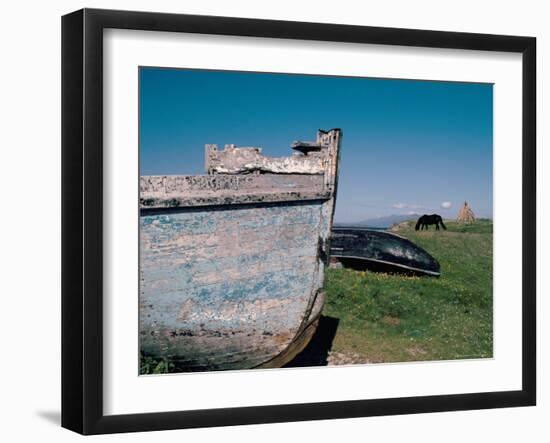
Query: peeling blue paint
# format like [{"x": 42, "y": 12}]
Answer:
[{"x": 242, "y": 276}]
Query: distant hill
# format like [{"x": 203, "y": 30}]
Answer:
[{"x": 382, "y": 222}]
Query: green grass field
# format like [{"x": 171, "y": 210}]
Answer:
[{"x": 392, "y": 318}]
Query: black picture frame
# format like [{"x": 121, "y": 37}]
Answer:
[{"x": 82, "y": 218}]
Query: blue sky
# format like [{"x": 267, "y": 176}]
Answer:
[{"x": 408, "y": 145}]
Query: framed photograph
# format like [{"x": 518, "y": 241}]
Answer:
[{"x": 269, "y": 221}]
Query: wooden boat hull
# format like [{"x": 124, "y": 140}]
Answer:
[
  {"x": 362, "y": 248},
  {"x": 235, "y": 282},
  {"x": 232, "y": 266}
]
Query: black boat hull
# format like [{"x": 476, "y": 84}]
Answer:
[{"x": 360, "y": 248}]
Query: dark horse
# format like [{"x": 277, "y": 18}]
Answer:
[{"x": 426, "y": 220}]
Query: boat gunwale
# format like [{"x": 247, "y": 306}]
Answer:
[
  {"x": 154, "y": 210},
  {"x": 389, "y": 263}
]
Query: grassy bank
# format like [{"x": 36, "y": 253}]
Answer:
[{"x": 388, "y": 318}]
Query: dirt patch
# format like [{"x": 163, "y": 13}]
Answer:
[
  {"x": 340, "y": 358},
  {"x": 416, "y": 351}
]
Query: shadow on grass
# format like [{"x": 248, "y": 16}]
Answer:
[{"x": 316, "y": 352}]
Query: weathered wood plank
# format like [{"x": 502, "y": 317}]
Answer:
[
  {"x": 222, "y": 189},
  {"x": 233, "y": 160},
  {"x": 211, "y": 220}
]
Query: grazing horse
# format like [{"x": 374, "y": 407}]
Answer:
[{"x": 426, "y": 220}]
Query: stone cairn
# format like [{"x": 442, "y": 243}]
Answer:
[{"x": 466, "y": 215}]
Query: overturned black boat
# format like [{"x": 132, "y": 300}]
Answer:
[{"x": 361, "y": 248}]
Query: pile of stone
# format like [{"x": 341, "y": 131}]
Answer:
[{"x": 466, "y": 215}]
